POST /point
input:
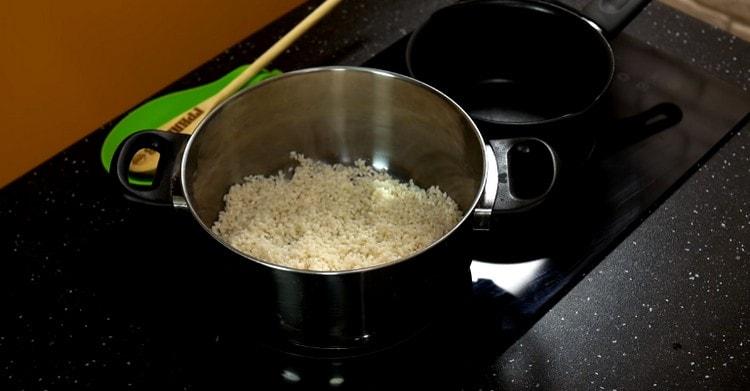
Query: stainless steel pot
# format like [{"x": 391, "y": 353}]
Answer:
[{"x": 339, "y": 114}]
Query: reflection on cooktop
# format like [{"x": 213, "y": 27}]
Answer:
[{"x": 514, "y": 278}]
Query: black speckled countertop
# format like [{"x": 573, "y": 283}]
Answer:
[{"x": 667, "y": 309}]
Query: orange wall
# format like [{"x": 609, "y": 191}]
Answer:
[{"x": 68, "y": 67}]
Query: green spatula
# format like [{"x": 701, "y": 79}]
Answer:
[
  {"x": 159, "y": 111},
  {"x": 180, "y": 112}
]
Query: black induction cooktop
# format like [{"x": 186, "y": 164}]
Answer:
[
  {"x": 660, "y": 118},
  {"x": 611, "y": 180}
]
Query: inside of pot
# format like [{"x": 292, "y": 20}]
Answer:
[{"x": 336, "y": 116}]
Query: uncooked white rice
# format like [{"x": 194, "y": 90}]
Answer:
[{"x": 333, "y": 217}]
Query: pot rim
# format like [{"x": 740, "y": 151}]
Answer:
[
  {"x": 378, "y": 72},
  {"x": 527, "y": 4}
]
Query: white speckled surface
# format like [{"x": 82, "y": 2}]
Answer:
[{"x": 668, "y": 309}]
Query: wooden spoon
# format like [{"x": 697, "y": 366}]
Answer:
[{"x": 145, "y": 160}]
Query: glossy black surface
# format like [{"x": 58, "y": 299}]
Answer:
[
  {"x": 531, "y": 258},
  {"x": 531, "y": 62},
  {"x": 96, "y": 295}
]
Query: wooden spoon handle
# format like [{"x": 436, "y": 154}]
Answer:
[{"x": 145, "y": 160}]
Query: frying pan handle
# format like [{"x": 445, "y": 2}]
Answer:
[
  {"x": 170, "y": 146},
  {"x": 613, "y": 15},
  {"x": 521, "y": 173},
  {"x": 652, "y": 121},
  {"x": 638, "y": 127}
]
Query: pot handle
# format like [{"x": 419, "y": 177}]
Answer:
[
  {"x": 613, "y": 15},
  {"x": 165, "y": 181},
  {"x": 521, "y": 172},
  {"x": 483, "y": 210}
]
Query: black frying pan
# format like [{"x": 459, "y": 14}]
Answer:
[{"x": 530, "y": 62}]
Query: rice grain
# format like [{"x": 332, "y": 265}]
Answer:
[{"x": 333, "y": 217}]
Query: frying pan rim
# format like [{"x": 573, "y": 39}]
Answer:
[{"x": 534, "y": 5}]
